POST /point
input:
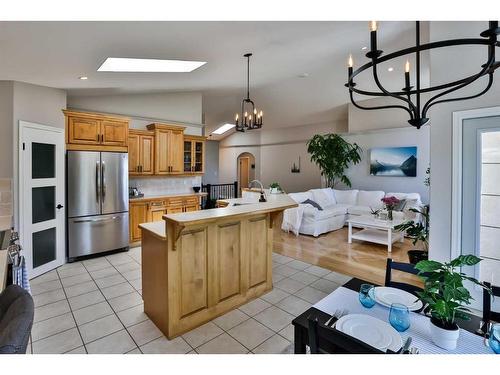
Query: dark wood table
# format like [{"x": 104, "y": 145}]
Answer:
[{"x": 300, "y": 323}]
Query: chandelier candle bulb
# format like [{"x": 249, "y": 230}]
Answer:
[
  {"x": 407, "y": 67},
  {"x": 373, "y": 25}
]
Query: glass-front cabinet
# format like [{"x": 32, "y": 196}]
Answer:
[{"x": 194, "y": 154}]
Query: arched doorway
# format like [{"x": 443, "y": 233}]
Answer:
[{"x": 246, "y": 169}]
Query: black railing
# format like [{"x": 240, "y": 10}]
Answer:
[{"x": 218, "y": 191}]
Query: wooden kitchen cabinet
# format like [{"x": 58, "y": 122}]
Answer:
[
  {"x": 194, "y": 154},
  {"x": 140, "y": 152},
  {"x": 146, "y": 210},
  {"x": 87, "y": 131},
  {"x": 138, "y": 212},
  {"x": 169, "y": 143}
]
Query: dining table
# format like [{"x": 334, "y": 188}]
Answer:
[{"x": 346, "y": 298}]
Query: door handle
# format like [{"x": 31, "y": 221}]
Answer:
[
  {"x": 103, "y": 180},
  {"x": 96, "y": 220},
  {"x": 97, "y": 181},
  {"x": 59, "y": 206}
]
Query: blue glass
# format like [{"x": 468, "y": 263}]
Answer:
[
  {"x": 366, "y": 295},
  {"x": 399, "y": 317},
  {"x": 494, "y": 340}
]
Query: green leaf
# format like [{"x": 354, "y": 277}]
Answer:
[
  {"x": 465, "y": 260},
  {"x": 428, "y": 265}
]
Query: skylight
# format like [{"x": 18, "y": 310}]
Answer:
[
  {"x": 119, "y": 64},
  {"x": 224, "y": 128}
]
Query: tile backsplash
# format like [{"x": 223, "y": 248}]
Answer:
[
  {"x": 5, "y": 203},
  {"x": 165, "y": 185}
]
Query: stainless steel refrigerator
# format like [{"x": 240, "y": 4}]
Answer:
[{"x": 97, "y": 202}]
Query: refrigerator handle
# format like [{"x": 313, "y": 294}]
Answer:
[
  {"x": 97, "y": 181},
  {"x": 103, "y": 180}
]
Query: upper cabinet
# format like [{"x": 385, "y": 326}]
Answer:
[
  {"x": 194, "y": 154},
  {"x": 168, "y": 148},
  {"x": 140, "y": 152},
  {"x": 94, "y": 131}
]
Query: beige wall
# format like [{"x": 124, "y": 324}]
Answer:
[
  {"x": 6, "y": 128},
  {"x": 38, "y": 104}
]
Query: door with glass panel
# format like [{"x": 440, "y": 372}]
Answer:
[
  {"x": 480, "y": 230},
  {"x": 41, "y": 196}
]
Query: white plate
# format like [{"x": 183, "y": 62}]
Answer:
[
  {"x": 386, "y": 296},
  {"x": 370, "y": 330}
]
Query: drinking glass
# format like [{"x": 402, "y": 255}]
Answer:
[
  {"x": 366, "y": 295},
  {"x": 399, "y": 317},
  {"x": 494, "y": 339}
]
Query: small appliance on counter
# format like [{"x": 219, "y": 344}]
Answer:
[{"x": 134, "y": 192}]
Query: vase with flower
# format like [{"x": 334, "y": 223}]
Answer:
[{"x": 390, "y": 204}]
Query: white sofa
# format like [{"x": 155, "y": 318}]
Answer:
[{"x": 337, "y": 206}]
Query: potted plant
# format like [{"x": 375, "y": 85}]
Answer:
[
  {"x": 275, "y": 188},
  {"x": 333, "y": 155},
  {"x": 444, "y": 294},
  {"x": 419, "y": 233}
]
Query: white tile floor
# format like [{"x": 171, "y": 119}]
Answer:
[{"x": 95, "y": 306}]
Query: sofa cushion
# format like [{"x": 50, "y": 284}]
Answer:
[
  {"x": 370, "y": 199},
  {"x": 332, "y": 211},
  {"x": 346, "y": 196},
  {"x": 406, "y": 196},
  {"x": 324, "y": 197},
  {"x": 359, "y": 210},
  {"x": 300, "y": 197},
  {"x": 313, "y": 203}
]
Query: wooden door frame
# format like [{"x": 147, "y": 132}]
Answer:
[{"x": 239, "y": 171}]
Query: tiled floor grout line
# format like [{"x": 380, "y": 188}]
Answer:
[
  {"x": 112, "y": 309},
  {"x": 73, "y": 315},
  {"x": 129, "y": 282}
]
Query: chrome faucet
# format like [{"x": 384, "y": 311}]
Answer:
[{"x": 262, "y": 195}]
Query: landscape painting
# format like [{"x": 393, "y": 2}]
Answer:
[{"x": 394, "y": 161}]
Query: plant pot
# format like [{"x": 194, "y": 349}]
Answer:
[
  {"x": 415, "y": 256},
  {"x": 444, "y": 338},
  {"x": 196, "y": 189},
  {"x": 274, "y": 190}
]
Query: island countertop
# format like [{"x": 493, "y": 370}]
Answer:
[{"x": 236, "y": 206}]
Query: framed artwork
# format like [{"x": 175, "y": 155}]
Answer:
[{"x": 393, "y": 161}]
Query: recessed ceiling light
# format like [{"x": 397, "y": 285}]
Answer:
[
  {"x": 364, "y": 48},
  {"x": 83, "y": 78},
  {"x": 390, "y": 69},
  {"x": 118, "y": 64},
  {"x": 224, "y": 128}
]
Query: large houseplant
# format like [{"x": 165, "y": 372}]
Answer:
[
  {"x": 418, "y": 231},
  {"x": 333, "y": 155},
  {"x": 445, "y": 297}
]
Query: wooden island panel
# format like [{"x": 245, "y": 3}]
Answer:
[{"x": 200, "y": 265}]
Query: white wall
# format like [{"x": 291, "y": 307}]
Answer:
[
  {"x": 176, "y": 107},
  {"x": 6, "y": 128},
  {"x": 360, "y": 174},
  {"x": 211, "y": 175},
  {"x": 451, "y": 65}
]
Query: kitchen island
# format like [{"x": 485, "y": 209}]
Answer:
[{"x": 199, "y": 265}]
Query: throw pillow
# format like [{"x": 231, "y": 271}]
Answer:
[{"x": 313, "y": 203}]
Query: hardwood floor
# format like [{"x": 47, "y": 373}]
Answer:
[{"x": 360, "y": 259}]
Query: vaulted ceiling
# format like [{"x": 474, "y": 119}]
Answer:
[{"x": 298, "y": 69}]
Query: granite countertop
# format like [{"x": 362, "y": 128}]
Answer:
[{"x": 169, "y": 195}]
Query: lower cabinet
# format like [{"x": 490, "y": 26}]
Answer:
[{"x": 145, "y": 211}]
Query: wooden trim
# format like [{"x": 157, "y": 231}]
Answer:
[
  {"x": 141, "y": 132},
  {"x": 77, "y": 147},
  {"x": 162, "y": 126},
  {"x": 195, "y": 137},
  {"x": 94, "y": 115}
]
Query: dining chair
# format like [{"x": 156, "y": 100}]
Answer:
[
  {"x": 489, "y": 315},
  {"x": 327, "y": 340},
  {"x": 403, "y": 267}
]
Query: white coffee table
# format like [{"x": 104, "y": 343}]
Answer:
[{"x": 375, "y": 230}]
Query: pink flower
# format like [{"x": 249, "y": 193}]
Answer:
[{"x": 390, "y": 201}]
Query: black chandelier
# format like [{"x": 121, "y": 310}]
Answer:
[
  {"x": 254, "y": 120},
  {"x": 410, "y": 96}
]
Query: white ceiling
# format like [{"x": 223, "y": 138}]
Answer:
[{"x": 55, "y": 54}]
